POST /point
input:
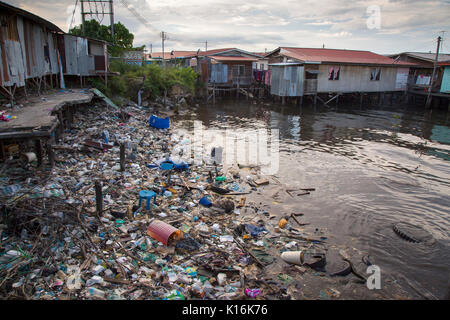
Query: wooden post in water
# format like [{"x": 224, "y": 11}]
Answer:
[
  {"x": 38, "y": 148},
  {"x": 99, "y": 197},
  {"x": 238, "y": 88},
  {"x": 50, "y": 153},
  {"x": 61, "y": 122}
]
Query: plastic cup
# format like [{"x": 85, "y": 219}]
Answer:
[
  {"x": 29, "y": 157},
  {"x": 293, "y": 257}
]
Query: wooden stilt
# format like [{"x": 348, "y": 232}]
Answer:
[
  {"x": 237, "y": 91},
  {"x": 61, "y": 122},
  {"x": 99, "y": 198},
  {"x": 122, "y": 156},
  {"x": 38, "y": 150},
  {"x": 50, "y": 153},
  {"x": 69, "y": 117}
]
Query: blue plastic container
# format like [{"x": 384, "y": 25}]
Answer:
[
  {"x": 159, "y": 123},
  {"x": 205, "y": 202},
  {"x": 167, "y": 165}
]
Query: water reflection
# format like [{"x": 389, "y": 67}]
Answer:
[{"x": 372, "y": 167}]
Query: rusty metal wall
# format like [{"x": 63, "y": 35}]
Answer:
[
  {"x": 287, "y": 81},
  {"x": 78, "y": 60},
  {"x": 219, "y": 73},
  {"x": 27, "y": 51}
]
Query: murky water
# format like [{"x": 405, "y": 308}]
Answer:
[{"x": 371, "y": 167}]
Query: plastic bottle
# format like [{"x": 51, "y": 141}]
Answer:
[
  {"x": 252, "y": 293},
  {"x": 105, "y": 136},
  {"x": 94, "y": 292}
]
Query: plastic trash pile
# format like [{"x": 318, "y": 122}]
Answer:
[{"x": 195, "y": 241}]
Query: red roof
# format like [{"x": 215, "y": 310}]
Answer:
[
  {"x": 210, "y": 52},
  {"x": 226, "y": 58},
  {"x": 262, "y": 54},
  {"x": 338, "y": 55},
  {"x": 176, "y": 54}
]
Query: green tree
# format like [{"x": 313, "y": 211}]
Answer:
[{"x": 123, "y": 38}]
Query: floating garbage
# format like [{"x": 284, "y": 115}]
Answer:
[{"x": 200, "y": 239}]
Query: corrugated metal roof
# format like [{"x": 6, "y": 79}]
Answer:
[
  {"x": 426, "y": 56},
  {"x": 338, "y": 55},
  {"x": 215, "y": 51},
  {"x": 29, "y": 15},
  {"x": 227, "y": 58}
]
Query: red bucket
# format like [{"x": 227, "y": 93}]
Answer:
[{"x": 163, "y": 232}]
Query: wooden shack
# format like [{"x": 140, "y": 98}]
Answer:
[
  {"x": 419, "y": 76},
  {"x": 33, "y": 51},
  {"x": 28, "y": 49},
  {"x": 83, "y": 56},
  {"x": 445, "y": 83},
  {"x": 337, "y": 71},
  {"x": 227, "y": 67}
]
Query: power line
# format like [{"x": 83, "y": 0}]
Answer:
[{"x": 73, "y": 14}]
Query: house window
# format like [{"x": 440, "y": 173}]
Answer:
[
  {"x": 375, "y": 74},
  {"x": 241, "y": 70},
  {"x": 334, "y": 73}
]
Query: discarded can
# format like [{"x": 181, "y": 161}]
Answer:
[{"x": 163, "y": 232}]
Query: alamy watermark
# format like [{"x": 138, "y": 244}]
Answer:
[
  {"x": 257, "y": 147},
  {"x": 374, "y": 19},
  {"x": 374, "y": 280}
]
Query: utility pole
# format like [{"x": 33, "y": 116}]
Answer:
[
  {"x": 96, "y": 12},
  {"x": 206, "y": 45},
  {"x": 163, "y": 38},
  {"x": 111, "y": 15},
  {"x": 427, "y": 104},
  {"x": 82, "y": 16}
]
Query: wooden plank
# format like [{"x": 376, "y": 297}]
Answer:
[{"x": 98, "y": 145}]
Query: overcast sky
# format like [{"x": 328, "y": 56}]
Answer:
[{"x": 256, "y": 25}]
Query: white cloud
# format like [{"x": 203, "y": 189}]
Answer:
[{"x": 257, "y": 24}]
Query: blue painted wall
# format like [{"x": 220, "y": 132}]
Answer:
[{"x": 445, "y": 85}]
